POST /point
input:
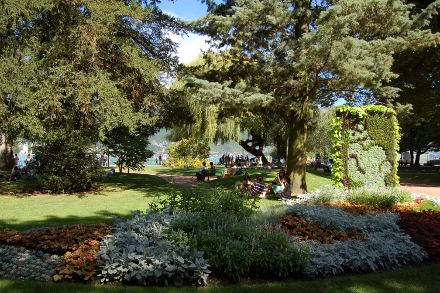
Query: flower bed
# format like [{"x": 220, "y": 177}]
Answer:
[
  {"x": 424, "y": 229},
  {"x": 57, "y": 240},
  {"x": 78, "y": 245},
  {"x": 385, "y": 246},
  {"x": 296, "y": 226}
]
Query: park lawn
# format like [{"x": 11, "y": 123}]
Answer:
[
  {"x": 314, "y": 179},
  {"x": 120, "y": 195},
  {"x": 422, "y": 175},
  {"x": 422, "y": 278}
]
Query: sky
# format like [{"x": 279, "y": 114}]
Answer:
[{"x": 189, "y": 46}]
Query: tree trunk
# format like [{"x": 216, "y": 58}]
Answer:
[
  {"x": 417, "y": 160},
  {"x": 296, "y": 155},
  {"x": 411, "y": 156},
  {"x": 278, "y": 148},
  {"x": 254, "y": 151},
  {"x": 128, "y": 170}
]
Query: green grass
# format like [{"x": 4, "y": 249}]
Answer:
[
  {"x": 120, "y": 195},
  {"x": 420, "y": 175},
  {"x": 413, "y": 279}
]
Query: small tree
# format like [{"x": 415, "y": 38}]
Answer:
[
  {"x": 130, "y": 147},
  {"x": 188, "y": 151}
]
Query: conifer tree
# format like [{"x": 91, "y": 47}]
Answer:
[
  {"x": 302, "y": 53},
  {"x": 82, "y": 67}
]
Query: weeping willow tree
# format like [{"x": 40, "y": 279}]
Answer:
[{"x": 192, "y": 115}]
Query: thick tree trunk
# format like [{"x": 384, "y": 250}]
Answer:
[
  {"x": 417, "y": 160},
  {"x": 411, "y": 155},
  {"x": 296, "y": 155},
  {"x": 257, "y": 152}
]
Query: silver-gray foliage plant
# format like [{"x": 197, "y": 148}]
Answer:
[
  {"x": 386, "y": 245},
  {"x": 140, "y": 252}
]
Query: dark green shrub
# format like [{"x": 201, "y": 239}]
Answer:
[
  {"x": 208, "y": 201},
  {"x": 66, "y": 165},
  {"x": 239, "y": 248}
]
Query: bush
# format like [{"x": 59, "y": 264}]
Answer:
[
  {"x": 208, "y": 201},
  {"x": 237, "y": 248},
  {"x": 66, "y": 165},
  {"x": 384, "y": 198},
  {"x": 139, "y": 251},
  {"x": 187, "y": 153}
]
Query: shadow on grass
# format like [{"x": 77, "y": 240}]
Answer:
[
  {"x": 24, "y": 187},
  {"x": 413, "y": 279},
  {"x": 318, "y": 173},
  {"x": 422, "y": 176},
  {"x": 151, "y": 185},
  {"x": 50, "y": 221}
]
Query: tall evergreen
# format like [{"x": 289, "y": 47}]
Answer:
[
  {"x": 82, "y": 66},
  {"x": 73, "y": 70},
  {"x": 301, "y": 53}
]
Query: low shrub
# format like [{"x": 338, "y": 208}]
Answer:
[
  {"x": 424, "y": 229},
  {"x": 208, "y": 201},
  {"x": 80, "y": 264},
  {"x": 384, "y": 198},
  {"x": 26, "y": 264},
  {"x": 57, "y": 239},
  {"x": 139, "y": 251},
  {"x": 385, "y": 246},
  {"x": 327, "y": 194},
  {"x": 237, "y": 248}
]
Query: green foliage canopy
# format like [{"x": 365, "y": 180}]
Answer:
[{"x": 300, "y": 53}]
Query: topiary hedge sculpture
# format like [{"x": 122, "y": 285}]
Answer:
[{"x": 365, "y": 144}]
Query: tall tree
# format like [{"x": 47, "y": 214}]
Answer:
[
  {"x": 301, "y": 53},
  {"x": 419, "y": 81},
  {"x": 83, "y": 66}
]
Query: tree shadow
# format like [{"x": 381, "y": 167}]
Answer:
[
  {"x": 51, "y": 221},
  {"x": 148, "y": 184},
  {"x": 318, "y": 173}
]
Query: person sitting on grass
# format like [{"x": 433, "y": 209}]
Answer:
[
  {"x": 15, "y": 174},
  {"x": 278, "y": 182},
  {"x": 245, "y": 184},
  {"x": 211, "y": 169},
  {"x": 202, "y": 173},
  {"x": 258, "y": 188},
  {"x": 286, "y": 193}
]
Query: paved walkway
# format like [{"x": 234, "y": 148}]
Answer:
[
  {"x": 421, "y": 189},
  {"x": 182, "y": 180},
  {"x": 417, "y": 188}
]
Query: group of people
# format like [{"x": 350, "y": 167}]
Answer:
[
  {"x": 238, "y": 160},
  {"x": 205, "y": 171},
  {"x": 280, "y": 186},
  {"x": 16, "y": 172}
]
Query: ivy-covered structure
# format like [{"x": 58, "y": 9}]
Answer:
[{"x": 365, "y": 144}]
